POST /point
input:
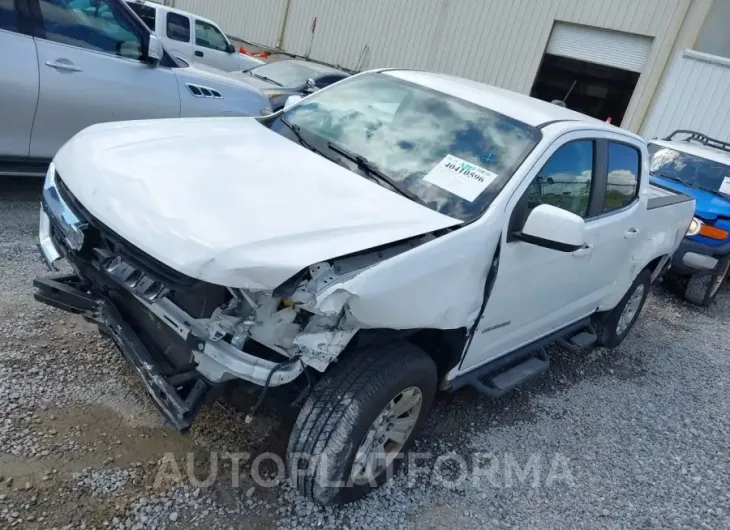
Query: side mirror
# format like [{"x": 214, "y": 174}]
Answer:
[
  {"x": 291, "y": 100},
  {"x": 154, "y": 50},
  {"x": 554, "y": 228},
  {"x": 311, "y": 86},
  {"x": 230, "y": 48}
]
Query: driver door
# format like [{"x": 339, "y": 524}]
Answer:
[
  {"x": 90, "y": 68},
  {"x": 211, "y": 47},
  {"x": 539, "y": 290}
]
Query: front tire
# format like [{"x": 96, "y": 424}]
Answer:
[
  {"x": 614, "y": 326},
  {"x": 360, "y": 419}
]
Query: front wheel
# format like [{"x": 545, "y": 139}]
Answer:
[
  {"x": 613, "y": 326},
  {"x": 360, "y": 419}
]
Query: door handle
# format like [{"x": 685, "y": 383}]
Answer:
[
  {"x": 587, "y": 250},
  {"x": 631, "y": 233},
  {"x": 198, "y": 53},
  {"x": 60, "y": 64}
]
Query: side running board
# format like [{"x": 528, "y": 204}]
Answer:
[
  {"x": 501, "y": 382},
  {"x": 581, "y": 341},
  {"x": 507, "y": 372}
]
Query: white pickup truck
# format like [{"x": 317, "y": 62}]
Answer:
[
  {"x": 396, "y": 233},
  {"x": 192, "y": 38}
]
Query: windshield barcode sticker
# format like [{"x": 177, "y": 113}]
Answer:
[
  {"x": 460, "y": 177},
  {"x": 725, "y": 186}
]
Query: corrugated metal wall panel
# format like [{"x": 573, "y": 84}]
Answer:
[
  {"x": 695, "y": 95},
  {"x": 253, "y": 20}
]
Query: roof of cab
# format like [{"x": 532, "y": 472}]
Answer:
[
  {"x": 526, "y": 109},
  {"x": 158, "y": 5},
  {"x": 703, "y": 151}
]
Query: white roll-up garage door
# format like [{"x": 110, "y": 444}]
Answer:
[{"x": 601, "y": 46}]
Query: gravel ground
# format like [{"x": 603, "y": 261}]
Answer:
[{"x": 638, "y": 437}]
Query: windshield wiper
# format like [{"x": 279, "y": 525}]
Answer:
[
  {"x": 373, "y": 171},
  {"x": 676, "y": 179},
  {"x": 714, "y": 192},
  {"x": 694, "y": 186},
  {"x": 295, "y": 130},
  {"x": 264, "y": 78}
]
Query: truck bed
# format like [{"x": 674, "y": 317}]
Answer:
[
  {"x": 660, "y": 197},
  {"x": 667, "y": 218}
]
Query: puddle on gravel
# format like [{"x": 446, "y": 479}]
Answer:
[{"x": 101, "y": 438}]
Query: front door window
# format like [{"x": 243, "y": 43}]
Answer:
[
  {"x": 208, "y": 36},
  {"x": 101, "y": 26}
]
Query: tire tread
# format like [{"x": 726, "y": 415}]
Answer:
[{"x": 357, "y": 378}]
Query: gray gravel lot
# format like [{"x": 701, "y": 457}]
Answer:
[{"x": 638, "y": 437}]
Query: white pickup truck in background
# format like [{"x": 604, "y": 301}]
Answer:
[
  {"x": 395, "y": 233},
  {"x": 191, "y": 37}
]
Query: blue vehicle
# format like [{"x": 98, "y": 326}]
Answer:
[{"x": 694, "y": 164}]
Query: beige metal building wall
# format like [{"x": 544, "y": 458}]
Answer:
[
  {"x": 252, "y": 20},
  {"x": 694, "y": 95},
  {"x": 500, "y": 42}
]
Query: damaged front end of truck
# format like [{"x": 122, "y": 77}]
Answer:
[{"x": 185, "y": 336}]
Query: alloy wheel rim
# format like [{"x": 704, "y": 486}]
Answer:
[
  {"x": 387, "y": 435},
  {"x": 630, "y": 310}
]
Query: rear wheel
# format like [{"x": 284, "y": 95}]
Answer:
[
  {"x": 614, "y": 326},
  {"x": 702, "y": 287},
  {"x": 361, "y": 418}
]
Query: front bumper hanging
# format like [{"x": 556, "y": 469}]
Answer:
[{"x": 178, "y": 396}]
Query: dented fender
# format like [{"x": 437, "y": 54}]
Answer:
[{"x": 439, "y": 284}]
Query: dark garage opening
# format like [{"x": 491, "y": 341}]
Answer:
[{"x": 593, "y": 89}]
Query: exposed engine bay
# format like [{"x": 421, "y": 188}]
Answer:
[{"x": 306, "y": 317}]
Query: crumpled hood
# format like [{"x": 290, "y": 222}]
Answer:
[{"x": 229, "y": 201}]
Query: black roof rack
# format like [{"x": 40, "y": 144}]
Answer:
[{"x": 701, "y": 138}]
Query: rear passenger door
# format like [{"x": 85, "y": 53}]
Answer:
[
  {"x": 615, "y": 228},
  {"x": 18, "y": 80}
]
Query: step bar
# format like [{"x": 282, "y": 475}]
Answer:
[{"x": 506, "y": 373}]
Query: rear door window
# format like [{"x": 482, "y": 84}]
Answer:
[
  {"x": 178, "y": 27},
  {"x": 624, "y": 165}
]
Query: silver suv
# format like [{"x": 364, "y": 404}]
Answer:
[{"x": 67, "y": 64}]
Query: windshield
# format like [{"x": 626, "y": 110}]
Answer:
[
  {"x": 691, "y": 170},
  {"x": 449, "y": 154},
  {"x": 287, "y": 73}
]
